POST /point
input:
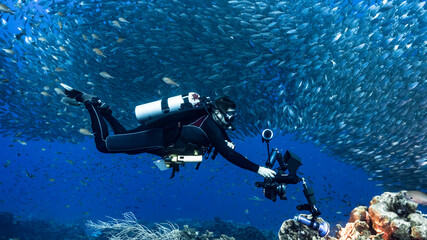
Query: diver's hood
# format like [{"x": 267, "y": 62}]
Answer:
[{"x": 220, "y": 119}]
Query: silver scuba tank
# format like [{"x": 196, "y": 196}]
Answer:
[{"x": 154, "y": 109}]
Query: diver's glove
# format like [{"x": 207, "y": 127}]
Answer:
[{"x": 266, "y": 172}]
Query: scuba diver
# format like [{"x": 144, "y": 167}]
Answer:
[
  {"x": 187, "y": 128},
  {"x": 180, "y": 129}
]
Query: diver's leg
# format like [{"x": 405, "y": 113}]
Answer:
[
  {"x": 114, "y": 123},
  {"x": 137, "y": 140},
  {"x": 99, "y": 126}
]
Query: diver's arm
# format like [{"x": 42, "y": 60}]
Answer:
[{"x": 217, "y": 139}]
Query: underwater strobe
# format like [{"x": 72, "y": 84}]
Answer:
[{"x": 272, "y": 188}]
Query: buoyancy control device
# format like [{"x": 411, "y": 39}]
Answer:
[
  {"x": 170, "y": 111},
  {"x": 155, "y": 109}
]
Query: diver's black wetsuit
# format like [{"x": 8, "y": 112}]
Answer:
[{"x": 200, "y": 131}]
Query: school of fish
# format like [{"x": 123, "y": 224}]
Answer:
[{"x": 348, "y": 76}]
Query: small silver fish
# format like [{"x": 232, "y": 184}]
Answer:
[
  {"x": 5, "y": 9},
  {"x": 116, "y": 24},
  {"x": 123, "y": 20},
  {"x": 170, "y": 81},
  {"x": 70, "y": 101},
  {"x": 85, "y": 132},
  {"x": 59, "y": 91},
  {"x": 8, "y": 51},
  {"x": 105, "y": 75}
]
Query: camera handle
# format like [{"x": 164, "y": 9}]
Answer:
[{"x": 289, "y": 161}]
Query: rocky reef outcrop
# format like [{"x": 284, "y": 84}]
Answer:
[
  {"x": 292, "y": 230},
  {"x": 390, "y": 216},
  {"x": 11, "y": 228}
]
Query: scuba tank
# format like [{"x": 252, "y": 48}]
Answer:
[{"x": 158, "y": 108}]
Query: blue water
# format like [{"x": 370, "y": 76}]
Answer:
[{"x": 74, "y": 182}]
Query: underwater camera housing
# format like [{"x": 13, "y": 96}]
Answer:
[{"x": 287, "y": 174}]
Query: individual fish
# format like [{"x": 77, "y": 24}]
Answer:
[
  {"x": 8, "y": 51},
  {"x": 98, "y": 51},
  {"x": 169, "y": 81},
  {"x": 18, "y": 5},
  {"x": 116, "y": 24},
  {"x": 416, "y": 196},
  {"x": 337, "y": 36},
  {"x": 95, "y": 36},
  {"x": 106, "y": 75},
  {"x": 59, "y": 91},
  {"x": 256, "y": 198},
  {"x": 5, "y": 9},
  {"x": 70, "y": 101},
  {"x": 85, "y": 132},
  {"x": 42, "y": 39},
  {"x": 123, "y": 20}
]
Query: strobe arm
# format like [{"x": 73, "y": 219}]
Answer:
[
  {"x": 272, "y": 157},
  {"x": 311, "y": 201},
  {"x": 322, "y": 228}
]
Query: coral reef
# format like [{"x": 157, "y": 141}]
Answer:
[
  {"x": 390, "y": 216},
  {"x": 10, "y": 228},
  {"x": 191, "y": 234},
  {"x": 129, "y": 228},
  {"x": 292, "y": 230},
  {"x": 235, "y": 230}
]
